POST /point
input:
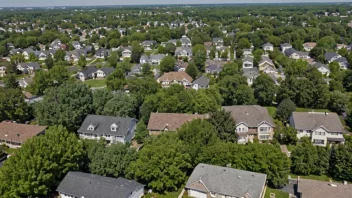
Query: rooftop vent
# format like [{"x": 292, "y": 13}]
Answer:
[{"x": 239, "y": 177}]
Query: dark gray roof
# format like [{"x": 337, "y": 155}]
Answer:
[
  {"x": 185, "y": 39},
  {"x": 290, "y": 51},
  {"x": 300, "y": 54},
  {"x": 319, "y": 65},
  {"x": 102, "y": 125},
  {"x": 202, "y": 81},
  {"x": 266, "y": 59},
  {"x": 247, "y": 59},
  {"x": 88, "y": 185},
  {"x": 250, "y": 72},
  {"x": 330, "y": 55},
  {"x": 227, "y": 181},
  {"x": 75, "y": 43},
  {"x": 35, "y": 65},
  {"x": 285, "y": 45},
  {"x": 216, "y": 40},
  {"x": 214, "y": 68},
  {"x": 341, "y": 60},
  {"x": 268, "y": 44},
  {"x": 313, "y": 120},
  {"x": 251, "y": 115},
  {"x": 88, "y": 71},
  {"x": 156, "y": 56},
  {"x": 107, "y": 70}
]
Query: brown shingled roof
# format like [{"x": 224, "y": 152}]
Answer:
[
  {"x": 171, "y": 121},
  {"x": 19, "y": 133},
  {"x": 179, "y": 76}
]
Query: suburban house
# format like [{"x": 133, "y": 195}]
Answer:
[
  {"x": 43, "y": 55},
  {"x": 148, "y": 45},
  {"x": 112, "y": 129},
  {"x": 247, "y": 62},
  {"x": 309, "y": 46},
  {"x": 28, "y": 68},
  {"x": 56, "y": 44},
  {"x": 86, "y": 185},
  {"x": 268, "y": 47},
  {"x": 185, "y": 41},
  {"x": 252, "y": 121},
  {"x": 181, "y": 66},
  {"x": 247, "y": 52},
  {"x": 294, "y": 54},
  {"x": 213, "y": 69},
  {"x": 343, "y": 62},
  {"x": 331, "y": 56},
  {"x": 265, "y": 63},
  {"x": 163, "y": 122},
  {"x": 2, "y": 71},
  {"x": 184, "y": 52},
  {"x": 24, "y": 82},
  {"x": 217, "y": 181},
  {"x": 322, "y": 68},
  {"x": 126, "y": 52},
  {"x": 102, "y": 53},
  {"x": 103, "y": 72},
  {"x": 251, "y": 74},
  {"x": 154, "y": 59},
  {"x": 75, "y": 55},
  {"x": 201, "y": 83},
  {"x": 26, "y": 52},
  {"x": 340, "y": 46},
  {"x": 285, "y": 46},
  {"x": 76, "y": 45},
  {"x": 14, "y": 135},
  {"x": 318, "y": 189},
  {"x": 170, "y": 78},
  {"x": 218, "y": 42},
  {"x": 322, "y": 128},
  {"x": 87, "y": 73}
]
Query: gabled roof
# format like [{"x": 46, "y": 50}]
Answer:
[
  {"x": 320, "y": 65},
  {"x": 19, "y": 133},
  {"x": 202, "y": 81},
  {"x": 171, "y": 121},
  {"x": 330, "y": 55},
  {"x": 285, "y": 45},
  {"x": 250, "y": 72},
  {"x": 107, "y": 70},
  {"x": 92, "y": 186},
  {"x": 89, "y": 71},
  {"x": 247, "y": 59},
  {"x": 251, "y": 115},
  {"x": 102, "y": 125},
  {"x": 179, "y": 50},
  {"x": 290, "y": 51},
  {"x": 185, "y": 39},
  {"x": 178, "y": 76},
  {"x": 310, "y": 44},
  {"x": 226, "y": 181},
  {"x": 341, "y": 60},
  {"x": 266, "y": 59},
  {"x": 267, "y": 45},
  {"x": 218, "y": 39},
  {"x": 156, "y": 56},
  {"x": 314, "y": 120}
]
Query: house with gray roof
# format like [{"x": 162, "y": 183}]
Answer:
[
  {"x": 343, "y": 62},
  {"x": 154, "y": 59},
  {"x": 112, "y": 129},
  {"x": 265, "y": 62},
  {"x": 28, "y": 68},
  {"x": 86, "y": 185},
  {"x": 184, "y": 52},
  {"x": 201, "y": 83},
  {"x": 103, "y": 72},
  {"x": 213, "y": 69},
  {"x": 216, "y": 181},
  {"x": 87, "y": 73},
  {"x": 185, "y": 41},
  {"x": 322, "y": 127},
  {"x": 102, "y": 53},
  {"x": 252, "y": 121},
  {"x": 285, "y": 46},
  {"x": 76, "y": 45},
  {"x": 268, "y": 47},
  {"x": 322, "y": 68},
  {"x": 247, "y": 62},
  {"x": 148, "y": 45},
  {"x": 218, "y": 42},
  {"x": 251, "y": 74},
  {"x": 331, "y": 56}
]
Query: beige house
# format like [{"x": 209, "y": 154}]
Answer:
[
  {"x": 170, "y": 78},
  {"x": 161, "y": 122},
  {"x": 322, "y": 128},
  {"x": 309, "y": 46},
  {"x": 252, "y": 121}
]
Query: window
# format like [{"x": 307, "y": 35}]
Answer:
[
  {"x": 315, "y": 141},
  {"x": 239, "y": 129},
  {"x": 320, "y": 133},
  {"x": 113, "y": 127},
  {"x": 264, "y": 137},
  {"x": 264, "y": 129},
  {"x": 91, "y": 128},
  {"x": 300, "y": 131}
]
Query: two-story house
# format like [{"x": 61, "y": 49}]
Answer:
[
  {"x": 185, "y": 41},
  {"x": 183, "y": 52},
  {"x": 93, "y": 72},
  {"x": 153, "y": 59},
  {"x": 218, "y": 42},
  {"x": 112, "y": 129},
  {"x": 170, "y": 78},
  {"x": 266, "y": 65},
  {"x": 247, "y": 62},
  {"x": 252, "y": 121},
  {"x": 208, "y": 181},
  {"x": 148, "y": 45},
  {"x": 331, "y": 56},
  {"x": 268, "y": 47},
  {"x": 322, "y": 128},
  {"x": 28, "y": 68},
  {"x": 76, "y": 45},
  {"x": 284, "y": 47},
  {"x": 201, "y": 83},
  {"x": 126, "y": 52},
  {"x": 322, "y": 68}
]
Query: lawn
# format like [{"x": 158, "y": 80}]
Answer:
[
  {"x": 166, "y": 194},
  {"x": 272, "y": 110},
  {"x": 278, "y": 193},
  {"x": 313, "y": 177},
  {"x": 95, "y": 83}
]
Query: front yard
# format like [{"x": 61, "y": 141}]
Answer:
[
  {"x": 272, "y": 110},
  {"x": 278, "y": 193},
  {"x": 95, "y": 83}
]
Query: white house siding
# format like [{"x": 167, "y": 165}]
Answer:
[
  {"x": 137, "y": 194},
  {"x": 195, "y": 87},
  {"x": 66, "y": 196},
  {"x": 302, "y": 133},
  {"x": 324, "y": 71},
  {"x": 319, "y": 134},
  {"x": 196, "y": 194},
  {"x": 265, "y": 135}
]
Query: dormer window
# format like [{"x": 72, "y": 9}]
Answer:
[
  {"x": 113, "y": 127},
  {"x": 91, "y": 128}
]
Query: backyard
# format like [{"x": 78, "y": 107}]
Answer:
[{"x": 95, "y": 83}]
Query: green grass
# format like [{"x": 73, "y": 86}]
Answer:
[
  {"x": 95, "y": 83},
  {"x": 272, "y": 111},
  {"x": 166, "y": 194},
  {"x": 313, "y": 177},
  {"x": 278, "y": 193}
]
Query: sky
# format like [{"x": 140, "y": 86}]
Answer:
[{"x": 43, "y": 3}]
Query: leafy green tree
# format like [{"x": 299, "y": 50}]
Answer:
[
  {"x": 111, "y": 160},
  {"x": 229, "y": 69},
  {"x": 49, "y": 62},
  {"x": 32, "y": 57},
  {"x": 48, "y": 158},
  {"x": 116, "y": 80},
  {"x": 170, "y": 48},
  {"x": 82, "y": 62},
  {"x": 100, "y": 98},
  {"x": 13, "y": 107},
  {"x": 192, "y": 70},
  {"x": 285, "y": 109},
  {"x": 199, "y": 56},
  {"x": 347, "y": 81},
  {"x": 60, "y": 55},
  {"x": 17, "y": 58},
  {"x": 196, "y": 135},
  {"x": 243, "y": 43},
  {"x": 167, "y": 64},
  {"x": 285, "y": 135},
  {"x": 113, "y": 59},
  {"x": 338, "y": 102},
  {"x": 224, "y": 124},
  {"x": 334, "y": 67},
  {"x": 228, "y": 88},
  {"x": 141, "y": 132},
  {"x": 121, "y": 105},
  {"x": 161, "y": 164},
  {"x": 327, "y": 42},
  {"x": 11, "y": 82},
  {"x": 203, "y": 102},
  {"x": 137, "y": 51},
  {"x": 65, "y": 105},
  {"x": 146, "y": 70},
  {"x": 142, "y": 87},
  {"x": 341, "y": 162},
  {"x": 264, "y": 90}
]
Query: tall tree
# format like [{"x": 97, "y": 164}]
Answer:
[
  {"x": 116, "y": 80},
  {"x": 167, "y": 64},
  {"x": 48, "y": 158},
  {"x": 224, "y": 124},
  {"x": 11, "y": 82},
  {"x": 192, "y": 70},
  {"x": 13, "y": 107},
  {"x": 100, "y": 99},
  {"x": 137, "y": 51},
  {"x": 285, "y": 109},
  {"x": 121, "y": 105},
  {"x": 264, "y": 90}
]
